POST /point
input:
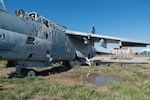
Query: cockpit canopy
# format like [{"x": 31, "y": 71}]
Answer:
[
  {"x": 32, "y": 16},
  {"x": 38, "y": 18}
]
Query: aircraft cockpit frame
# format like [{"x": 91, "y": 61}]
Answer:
[
  {"x": 33, "y": 16},
  {"x": 38, "y": 18}
]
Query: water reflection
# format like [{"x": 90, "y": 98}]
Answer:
[{"x": 102, "y": 80}]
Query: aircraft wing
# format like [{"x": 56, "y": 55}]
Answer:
[
  {"x": 106, "y": 39},
  {"x": 103, "y": 53}
]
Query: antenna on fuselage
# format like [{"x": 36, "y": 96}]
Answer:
[
  {"x": 93, "y": 30},
  {"x": 3, "y": 5}
]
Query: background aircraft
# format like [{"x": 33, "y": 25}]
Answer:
[{"x": 30, "y": 40}]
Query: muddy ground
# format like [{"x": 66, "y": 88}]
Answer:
[
  {"x": 62, "y": 75},
  {"x": 72, "y": 76}
]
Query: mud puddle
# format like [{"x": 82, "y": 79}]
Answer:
[{"x": 102, "y": 80}]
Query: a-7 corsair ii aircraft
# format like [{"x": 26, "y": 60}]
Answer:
[{"x": 31, "y": 40}]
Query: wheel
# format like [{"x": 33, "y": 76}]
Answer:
[{"x": 30, "y": 72}]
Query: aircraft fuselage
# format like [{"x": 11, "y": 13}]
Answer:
[{"x": 27, "y": 40}]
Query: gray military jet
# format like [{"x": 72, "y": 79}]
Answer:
[{"x": 30, "y": 40}]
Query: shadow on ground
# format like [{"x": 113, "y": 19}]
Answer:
[
  {"x": 1, "y": 88},
  {"x": 54, "y": 70}
]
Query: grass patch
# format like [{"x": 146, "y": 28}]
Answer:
[
  {"x": 26, "y": 88},
  {"x": 76, "y": 67},
  {"x": 128, "y": 92},
  {"x": 5, "y": 96},
  {"x": 3, "y": 63},
  {"x": 133, "y": 85},
  {"x": 141, "y": 55}
]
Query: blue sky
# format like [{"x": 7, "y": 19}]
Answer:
[{"x": 120, "y": 18}]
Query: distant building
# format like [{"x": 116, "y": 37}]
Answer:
[
  {"x": 145, "y": 51},
  {"x": 122, "y": 53}
]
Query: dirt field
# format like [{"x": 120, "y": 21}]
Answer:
[
  {"x": 70, "y": 76},
  {"x": 129, "y": 72}
]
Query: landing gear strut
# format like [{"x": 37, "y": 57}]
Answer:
[{"x": 88, "y": 62}]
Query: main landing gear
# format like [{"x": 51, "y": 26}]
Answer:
[
  {"x": 29, "y": 72},
  {"x": 23, "y": 72}
]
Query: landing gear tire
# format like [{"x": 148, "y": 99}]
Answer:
[{"x": 31, "y": 72}]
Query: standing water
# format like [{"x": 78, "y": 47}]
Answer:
[{"x": 102, "y": 80}]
